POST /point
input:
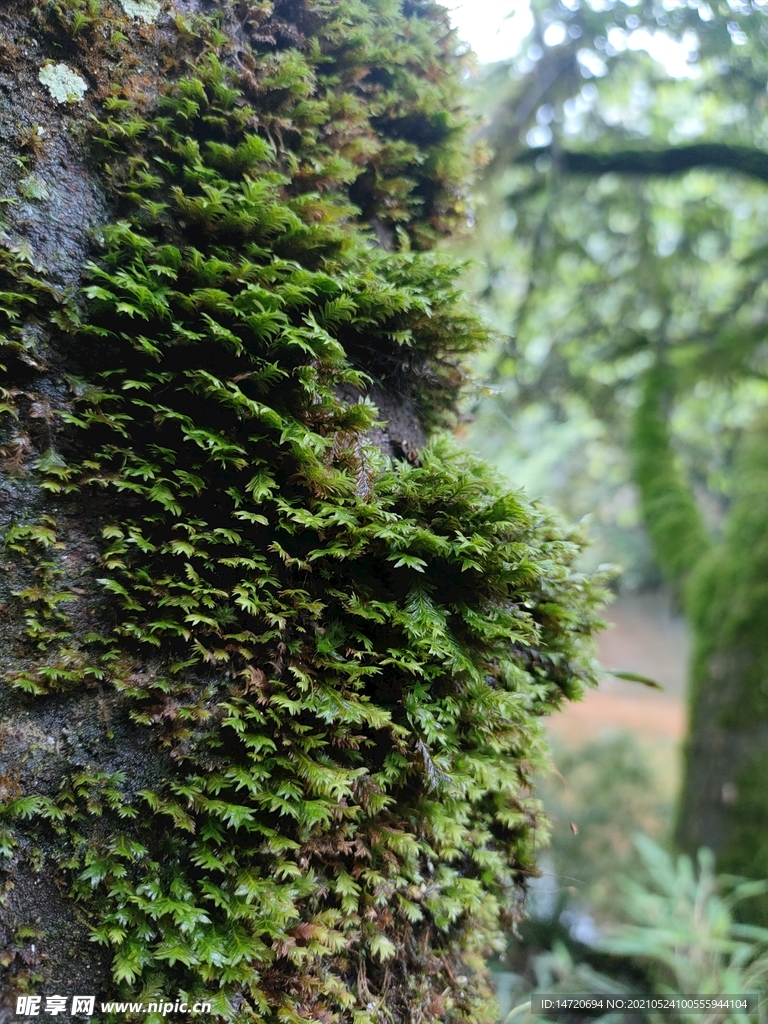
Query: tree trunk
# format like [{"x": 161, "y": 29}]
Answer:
[
  {"x": 273, "y": 669},
  {"x": 724, "y": 803},
  {"x": 724, "y": 800}
]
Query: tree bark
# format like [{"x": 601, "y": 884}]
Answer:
[
  {"x": 724, "y": 798},
  {"x": 724, "y": 802}
]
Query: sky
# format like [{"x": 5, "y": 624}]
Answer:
[{"x": 493, "y": 28}]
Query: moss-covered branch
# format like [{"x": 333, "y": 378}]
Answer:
[
  {"x": 664, "y": 162},
  {"x": 669, "y": 510}
]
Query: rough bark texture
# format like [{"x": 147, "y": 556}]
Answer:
[
  {"x": 272, "y": 667},
  {"x": 55, "y": 199}
]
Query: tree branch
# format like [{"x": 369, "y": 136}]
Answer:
[
  {"x": 666, "y": 162},
  {"x": 674, "y": 523}
]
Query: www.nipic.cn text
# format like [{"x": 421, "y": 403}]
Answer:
[{"x": 85, "y": 1006}]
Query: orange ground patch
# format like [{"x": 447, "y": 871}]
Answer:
[
  {"x": 654, "y": 716},
  {"x": 644, "y": 637}
]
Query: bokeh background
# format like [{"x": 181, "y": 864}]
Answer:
[{"x": 618, "y": 243}]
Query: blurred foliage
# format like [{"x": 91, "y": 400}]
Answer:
[
  {"x": 681, "y": 937},
  {"x": 622, "y": 253},
  {"x": 600, "y": 795},
  {"x": 592, "y": 281}
]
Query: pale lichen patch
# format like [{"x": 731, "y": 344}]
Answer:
[
  {"x": 147, "y": 10},
  {"x": 64, "y": 84}
]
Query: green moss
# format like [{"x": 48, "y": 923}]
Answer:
[
  {"x": 726, "y": 781},
  {"x": 669, "y": 510},
  {"x": 746, "y": 853},
  {"x": 727, "y": 597},
  {"x": 345, "y": 659}
]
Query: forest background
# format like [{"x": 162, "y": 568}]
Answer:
[{"x": 620, "y": 249}]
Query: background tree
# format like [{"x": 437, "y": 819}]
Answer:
[
  {"x": 630, "y": 278},
  {"x": 273, "y": 665}
]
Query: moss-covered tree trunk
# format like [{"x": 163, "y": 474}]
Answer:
[
  {"x": 272, "y": 664},
  {"x": 724, "y": 803},
  {"x": 723, "y": 588}
]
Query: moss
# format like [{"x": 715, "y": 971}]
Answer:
[
  {"x": 723, "y": 589},
  {"x": 669, "y": 510},
  {"x": 728, "y": 600},
  {"x": 335, "y": 665},
  {"x": 726, "y": 780},
  {"x": 746, "y": 853}
]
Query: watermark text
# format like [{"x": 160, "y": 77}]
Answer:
[{"x": 86, "y": 1006}]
